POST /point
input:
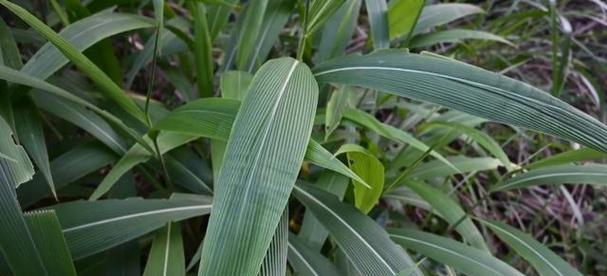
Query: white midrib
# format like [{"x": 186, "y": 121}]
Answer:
[
  {"x": 303, "y": 259},
  {"x": 311, "y": 197},
  {"x": 550, "y": 175},
  {"x": 135, "y": 216},
  {"x": 496, "y": 227},
  {"x": 249, "y": 181},
  {"x": 447, "y": 250},
  {"x": 166, "y": 251}
]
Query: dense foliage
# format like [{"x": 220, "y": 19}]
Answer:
[{"x": 302, "y": 137}]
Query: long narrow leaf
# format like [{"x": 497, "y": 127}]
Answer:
[{"x": 557, "y": 175}]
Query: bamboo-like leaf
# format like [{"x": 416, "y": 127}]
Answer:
[
  {"x": 93, "y": 226},
  {"x": 464, "y": 258},
  {"x": 9, "y": 53},
  {"x": 111, "y": 89},
  {"x": 234, "y": 84},
  {"x": 541, "y": 258},
  {"x": 203, "y": 51},
  {"x": 455, "y": 36},
  {"x": 338, "y": 31},
  {"x": 306, "y": 261},
  {"x": 557, "y": 175},
  {"x": 568, "y": 157},
  {"x": 82, "y": 35},
  {"x": 28, "y": 124},
  {"x": 247, "y": 36},
  {"x": 275, "y": 262},
  {"x": 439, "y": 14},
  {"x": 370, "y": 169},
  {"x": 320, "y": 12},
  {"x": 218, "y": 16},
  {"x": 403, "y": 16},
  {"x": 335, "y": 108},
  {"x": 460, "y": 86},
  {"x": 463, "y": 164},
  {"x": 365, "y": 243},
  {"x": 213, "y": 118},
  {"x": 390, "y": 132},
  {"x": 166, "y": 255},
  {"x": 377, "y": 10},
  {"x": 17, "y": 244},
  {"x": 67, "y": 168},
  {"x": 451, "y": 211},
  {"x": 262, "y": 159},
  {"x": 46, "y": 232}
]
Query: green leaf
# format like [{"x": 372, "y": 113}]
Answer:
[
  {"x": 451, "y": 211},
  {"x": 402, "y": 17},
  {"x": 218, "y": 16},
  {"x": 9, "y": 53},
  {"x": 17, "y": 244},
  {"x": 111, "y": 89},
  {"x": 76, "y": 163},
  {"x": 46, "y": 232},
  {"x": 455, "y": 36},
  {"x": 461, "y": 86},
  {"x": 166, "y": 255},
  {"x": 365, "y": 243},
  {"x": 541, "y": 258},
  {"x": 377, "y": 11},
  {"x": 93, "y": 226},
  {"x": 556, "y": 175},
  {"x": 464, "y": 258},
  {"x": 338, "y": 31},
  {"x": 370, "y": 169},
  {"x": 136, "y": 155},
  {"x": 318, "y": 155},
  {"x": 262, "y": 159},
  {"x": 28, "y": 124},
  {"x": 320, "y": 11},
  {"x": 440, "y": 14},
  {"x": 335, "y": 108},
  {"x": 203, "y": 50},
  {"x": 275, "y": 262},
  {"x": 463, "y": 164},
  {"x": 250, "y": 31},
  {"x": 306, "y": 262},
  {"x": 568, "y": 157},
  {"x": 367, "y": 120},
  {"x": 234, "y": 84}
]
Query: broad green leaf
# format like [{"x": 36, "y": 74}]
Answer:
[
  {"x": 455, "y": 36},
  {"x": 81, "y": 117},
  {"x": 307, "y": 262},
  {"x": 93, "y": 226},
  {"x": 370, "y": 169},
  {"x": 440, "y": 14},
  {"x": 275, "y": 261},
  {"x": 74, "y": 164},
  {"x": 24, "y": 79},
  {"x": 463, "y": 164},
  {"x": 28, "y": 124},
  {"x": 203, "y": 50},
  {"x": 16, "y": 242},
  {"x": 312, "y": 232},
  {"x": 541, "y": 258},
  {"x": 46, "y": 232},
  {"x": 234, "y": 84},
  {"x": 111, "y": 89},
  {"x": 262, "y": 159},
  {"x": 338, "y": 31},
  {"x": 213, "y": 118},
  {"x": 480, "y": 137},
  {"x": 320, "y": 11},
  {"x": 463, "y": 258},
  {"x": 166, "y": 255},
  {"x": 377, "y": 11},
  {"x": 451, "y": 211},
  {"x": 402, "y": 17},
  {"x": 136, "y": 155},
  {"x": 461, "y": 86},
  {"x": 557, "y": 175},
  {"x": 364, "y": 242},
  {"x": 390, "y": 132},
  {"x": 185, "y": 177},
  {"x": 568, "y": 157}
]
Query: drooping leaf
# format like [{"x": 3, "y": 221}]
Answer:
[
  {"x": 541, "y": 258},
  {"x": 464, "y": 258},
  {"x": 460, "y": 86},
  {"x": 439, "y": 14},
  {"x": 262, "y": 159},
  {"x": 370, "y": 169},
  {"x": 306, "y": 261},
  {"x": 46, "y": 232},
  {"x": 455, "y": 36},
  {"x": 166, "y": 255},
  {"x": 93, "y": 226},
  {"x": 557, "y": 175},
  {"x": 365, "y": 243},
  {"x": 571, "y": 156}
]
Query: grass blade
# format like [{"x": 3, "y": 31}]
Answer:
[
  {"x": 377, "y": 10},
  {"x": 166, "y": 255},
  {"x": 557, "y": 175}
]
